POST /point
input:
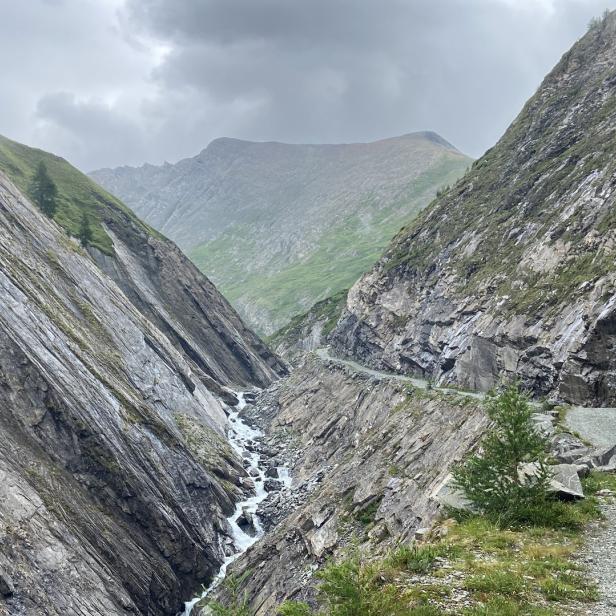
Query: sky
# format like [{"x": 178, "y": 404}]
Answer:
[{"x": 114, "y": 82}]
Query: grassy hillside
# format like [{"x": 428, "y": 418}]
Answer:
[
  {"x": 76, "y": 192},
  {"x": 277, "y": 226},
  {"x": 347, "y": 249}
]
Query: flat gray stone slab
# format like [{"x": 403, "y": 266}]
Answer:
[{"x": 598, "y": 426}]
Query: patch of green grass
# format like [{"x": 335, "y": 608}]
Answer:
[
  {"x": 415, "y": 558},
  {"x": 283, "y": 288},
  {"x": 496, "y": 582},
  {"x": 499, "y": 606},
  {"x": 77, "y": 194},
  {"x": 569, "y": 587}
]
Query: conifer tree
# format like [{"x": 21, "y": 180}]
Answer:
[
  {"x": 44, "y": 191},
  {"x": 493, "y": 480},
  {"x": 85, "y": 230}
]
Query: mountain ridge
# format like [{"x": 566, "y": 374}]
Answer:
[
  {"x": 510, "y": 272},
  {"x": 266, "y": 220}
]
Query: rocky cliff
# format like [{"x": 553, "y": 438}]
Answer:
[
  {"x": 369, "y": 453},
  {"x": 511, "y": 272},
  {"x": 308, "y": 331},
  {"x": 278, "y": 226},
  {"x": 115, "y": 366}
]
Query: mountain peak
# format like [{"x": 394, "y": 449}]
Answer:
[{"x": 279, "y": 226}]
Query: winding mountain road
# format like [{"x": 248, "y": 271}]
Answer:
[
  {"x": 420, "y": 383},
  {"x": 594, "y": 424}
]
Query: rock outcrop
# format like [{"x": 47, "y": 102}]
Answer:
[
  {"x": 280, "y": 226},
  {"x": 511, "y": 272},
  {"x": 308, "y": 332},
  {"x": 115, "y": 474},
  {"x": 369, "y": 456}
]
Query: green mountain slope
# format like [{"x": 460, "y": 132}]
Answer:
[
  {"x": 162, "y": 283},
  {"x": 76, "y": 192},
  {"x": 278, "y": 227}
]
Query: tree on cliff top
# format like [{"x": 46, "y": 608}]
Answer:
[{"x": 85, "y": 230}]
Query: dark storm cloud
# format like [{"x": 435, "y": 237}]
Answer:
[
  {"x": 107, "y": 82},
  {"x": 343, "y": 70}
]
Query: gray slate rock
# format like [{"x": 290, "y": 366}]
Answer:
[
  {"x": 565, "y": 482},
  {"x": 6, "y": 584},
  {"x": 447, "y": 495}
]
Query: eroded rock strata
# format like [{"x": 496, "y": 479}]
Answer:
[
  {"x": 511, "y": 272},
  {"x": 115, "y": 473},
  {"x": 364, "y": 450}
]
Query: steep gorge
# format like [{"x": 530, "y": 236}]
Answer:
[
  {"x": 509, "y": 274},
  {"x": 117, "y": 363}
]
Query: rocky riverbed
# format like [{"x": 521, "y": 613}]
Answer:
[{"x": 267, "y": 477}]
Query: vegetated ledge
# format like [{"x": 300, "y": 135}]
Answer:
[
  {"x": 308, "y": 331},
  {"x": 371, "y": 456}
]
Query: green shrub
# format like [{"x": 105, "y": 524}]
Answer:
[
  {"x": 85, "y": 234},
  {"x": 353, "y": 587},
  {"x": 238, "y": 602},
  {"x": 367, "y": 515},
  {"x": 294, "y": 608},
  {"x": 491, "y": 481}
]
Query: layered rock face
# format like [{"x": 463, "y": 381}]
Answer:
[
  {"x": 280, "y": 226},
  {"x": 115, "y": 474},
  {"x": 308, "y": 331},
  {"x": 369, "y": 453},
  {"x": 511, "y": 273}
]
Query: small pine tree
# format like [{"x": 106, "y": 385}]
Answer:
[
  {"x": 43, "y": 190},
  {"x": 492, "y": 481},
  {"x": 85, "y": 230}
]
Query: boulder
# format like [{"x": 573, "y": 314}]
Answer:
[
  {"x": 605, "y": 459},
  {"x": 272, "y": 472},
  {"x": 246, "y": 522},
  {"x": 544, "y": 424},
  {"x": 272, "y": 485},
  {"x": 565, "y": 482},
  {"x": 568, "y": 449},
  {"x": 448, "y": 495},
  {"x": 323, "y": 538}
]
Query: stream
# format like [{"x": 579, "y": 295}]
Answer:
[{"x": 243, "y": 439}]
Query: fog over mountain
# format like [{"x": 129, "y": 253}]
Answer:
[{"x": 280, "y": 226}]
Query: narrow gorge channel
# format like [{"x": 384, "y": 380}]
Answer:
[{"x": 245, "y": 526}]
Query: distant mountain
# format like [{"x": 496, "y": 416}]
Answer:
[{"x": 278, "y": 227}]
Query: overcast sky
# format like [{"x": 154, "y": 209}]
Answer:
[{"x": 113, "y": 82}]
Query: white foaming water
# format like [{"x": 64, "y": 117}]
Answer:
[{"x": 242, "y": 439}]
